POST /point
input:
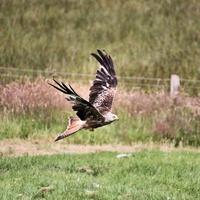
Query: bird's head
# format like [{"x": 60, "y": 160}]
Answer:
[
  {"x": 115, "y": 117},
  {"x": 110, "y": 117}
]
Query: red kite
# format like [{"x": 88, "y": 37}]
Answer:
[{"x": 97, "y": 111}]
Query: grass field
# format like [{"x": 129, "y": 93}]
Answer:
[
  {"x": 143, "y": 175},
  {"x": 45, "y": 39}
]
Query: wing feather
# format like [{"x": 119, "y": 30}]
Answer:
[
  {"x": 103, "y": 89},
  {"x": 84, "y": 109}
]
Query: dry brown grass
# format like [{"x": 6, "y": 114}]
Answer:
[{"x": 24, "y": 96}]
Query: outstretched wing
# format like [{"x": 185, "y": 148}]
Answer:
[
  {"x": 83, "y": 108},
  {"x": 103, "y": 89}
]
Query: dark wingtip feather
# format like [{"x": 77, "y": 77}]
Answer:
[
  {"x": 103, "y": 56},
  {"x": 60, "y": 89},
  {"x": 98, "y": 58},
  {"x": 72, "y": 90},
  {"x": 99, "y": 51},
  {"x": 66, "y": 88}
]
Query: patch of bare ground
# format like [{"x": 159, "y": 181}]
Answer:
[{"x": 18, "y": 147}]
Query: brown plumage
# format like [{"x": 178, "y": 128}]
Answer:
[{"x": 97, "y": 111}]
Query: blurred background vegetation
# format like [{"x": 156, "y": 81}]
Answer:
[{"x": 151, "y": 39}]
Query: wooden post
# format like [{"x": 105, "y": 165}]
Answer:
[{"x": 174, "y": 86}]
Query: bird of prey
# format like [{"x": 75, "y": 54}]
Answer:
[{"x": 97, "y": 111}]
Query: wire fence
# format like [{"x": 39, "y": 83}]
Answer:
[{"x": 11, "y": 73}]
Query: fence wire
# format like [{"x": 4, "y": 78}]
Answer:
[{"x": 18, "y": 73}]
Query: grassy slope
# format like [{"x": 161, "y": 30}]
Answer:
[
  {"x": 144, "y": 175},
  {"x": 154, "y": 38}
]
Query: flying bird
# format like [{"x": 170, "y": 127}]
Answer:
[{"x": 97, "y": 111}]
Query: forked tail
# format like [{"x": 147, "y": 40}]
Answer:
[{"x": 74, "y": 125}]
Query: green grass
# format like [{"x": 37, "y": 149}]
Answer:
[
  {"x": 179, "y": 127},
  {"x": 45, "y": 125},
  {"x": 154, "y": 38},
  {"x": 145, "y": 175}
]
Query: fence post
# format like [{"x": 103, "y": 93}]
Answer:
[{"x": 174, "y": 86}]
